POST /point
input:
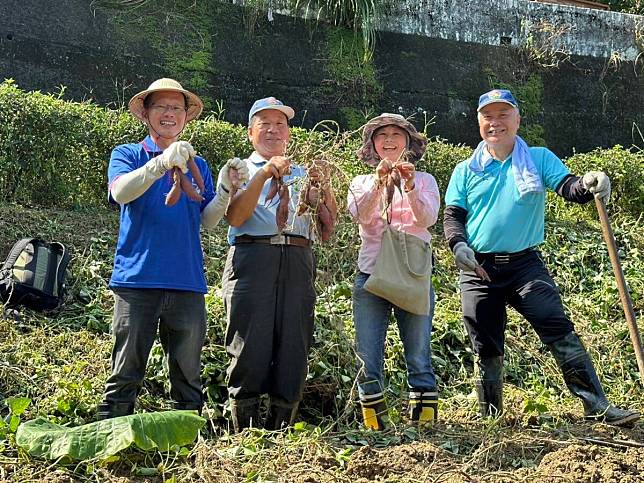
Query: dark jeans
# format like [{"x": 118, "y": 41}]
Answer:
[
  {"x": 524, "y": 284},
  {"x": 181, "y": 321},
  {"x": 269, "y": 295}
]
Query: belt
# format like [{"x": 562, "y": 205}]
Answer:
[
  {"x": 502, "y": 258},
  {"x": 297, "y": 241}
]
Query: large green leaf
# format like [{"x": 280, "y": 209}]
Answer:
[{"x": 162, "y": 430}]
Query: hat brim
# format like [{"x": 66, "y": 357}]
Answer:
[
  {"x": 495, "y": 101},
  {"x": 288, "y": 111},
  {"x": 136, "y": 107}
]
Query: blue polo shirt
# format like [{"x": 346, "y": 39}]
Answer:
[
  {"x": 498, "y": 219},
  {"x": 158, "y": 246},
  {"x": 263, "y": 221}
]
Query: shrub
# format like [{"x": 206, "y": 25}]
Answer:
[{"x": 55, "y": 152}]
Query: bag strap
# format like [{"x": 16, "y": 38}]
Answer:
[
  {"x": 61, "y": 267},
  {"x": 17, "y": 248},
  {"x": 402, "y": 239}
]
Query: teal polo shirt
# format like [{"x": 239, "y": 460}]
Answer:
[{"x": 498, "y": 219}]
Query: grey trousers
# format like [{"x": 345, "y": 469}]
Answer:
[
  {"x": 180, "y": 318},
  {"x": 269, "y": 295}
]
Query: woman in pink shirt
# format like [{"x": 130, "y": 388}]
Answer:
[{"x": 390, "y": 140}]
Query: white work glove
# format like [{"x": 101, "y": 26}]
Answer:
[
  {"x": 598, "y": 184},
  {"x": 130, "y": 186},
  {"x": 464, "y": 257},
  {"x": 242, "y": 174},
  {"x": 175, "y": 155}
]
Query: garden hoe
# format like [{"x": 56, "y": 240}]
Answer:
[{"x": 624, "y": 294}]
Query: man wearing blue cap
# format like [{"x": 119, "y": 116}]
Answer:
[
  {"x": 268, "y": 281},
  {"x": 494, "y": 222}
]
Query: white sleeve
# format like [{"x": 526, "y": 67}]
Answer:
[{"x": 129, "y": 186}]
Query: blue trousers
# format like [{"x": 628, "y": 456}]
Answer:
[{"x": 371, "y": 320}]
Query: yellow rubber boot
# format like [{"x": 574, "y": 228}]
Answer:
[
  {"x": 374, "y": 411},
  {"x": 423, "y": 406}
]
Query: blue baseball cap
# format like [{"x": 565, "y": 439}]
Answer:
[
  {"x": 497, "y": 95},
  {"x": 270, "y": 103}
]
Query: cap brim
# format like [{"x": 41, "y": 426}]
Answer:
[
  {"x": 136, "y": 107},
  {"x": 288, "y": 111},
  {"x": 494, "y": 101}
]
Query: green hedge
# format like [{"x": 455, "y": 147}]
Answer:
[{"x": 55, "y": 152}]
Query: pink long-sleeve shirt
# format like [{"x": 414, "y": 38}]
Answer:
[{"x": 412, "y": 212}]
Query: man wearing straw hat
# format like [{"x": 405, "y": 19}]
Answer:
[
  {"x": 268, "y": 281},
  {"x": 158, "y": 278},
  {"x": 494, "y": 222}
]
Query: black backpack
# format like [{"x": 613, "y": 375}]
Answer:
[{"x": 33, "y": 274}]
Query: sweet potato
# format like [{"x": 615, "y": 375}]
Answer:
[{"x": 175, "y": 192}]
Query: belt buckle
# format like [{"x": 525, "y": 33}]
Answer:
[
  {"x": 278, "y": 240},
  {"x": 501, "y": 259}
]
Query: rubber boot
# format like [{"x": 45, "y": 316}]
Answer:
[
  {"x": 280, "y": 416},
  {"x": 582, "y": 381},
  {"x": 423, "y": 406},
  {"x": 374, "y": 411},
  {"x": 489, "y": 386},
  {"x": 244, "y": 413},
  {"x": 108, "y": 410}
]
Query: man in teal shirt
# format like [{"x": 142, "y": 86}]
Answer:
[{"x": 494, "y": 222}]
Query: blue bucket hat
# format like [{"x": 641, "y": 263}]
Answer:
[
  {"x": 497, "y": 95},
  {"x": 270, "y": 103}
]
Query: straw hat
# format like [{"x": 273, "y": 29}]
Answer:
[
  {"x": 195, "y": 105},
  {"x": 417, "y": 143}
]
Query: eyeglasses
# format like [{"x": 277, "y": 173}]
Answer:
[{"x": 161, "y": 109}]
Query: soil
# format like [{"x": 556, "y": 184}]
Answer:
[
  {"x": 461, "y": 453},
  {"x": 469, "y": 453}
]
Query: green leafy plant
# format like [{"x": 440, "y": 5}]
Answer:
[
  {"x": 17, "y": 406},
  {"x": 356, "y": 15},
  {"x": 102, "y": 439}
]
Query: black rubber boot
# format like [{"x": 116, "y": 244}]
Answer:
[
  {"x": 244, "y": 413},
  {"x": 108, "y": 410},
  {"x": 374, "y": 411},
  {"x": 489, "y": 385},
  {"x": 423, "y": 406},
  {"x": 280, "y": 416},
  {"x": 582, "y": 381}
]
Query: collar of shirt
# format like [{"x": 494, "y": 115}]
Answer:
[
  {"x": 257, "y": 158},
  {"x": 150, "y": 146},
  {"x": 487, "y": 158}
]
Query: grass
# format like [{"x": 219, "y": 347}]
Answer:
[{"x": 61, "y": 364}]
